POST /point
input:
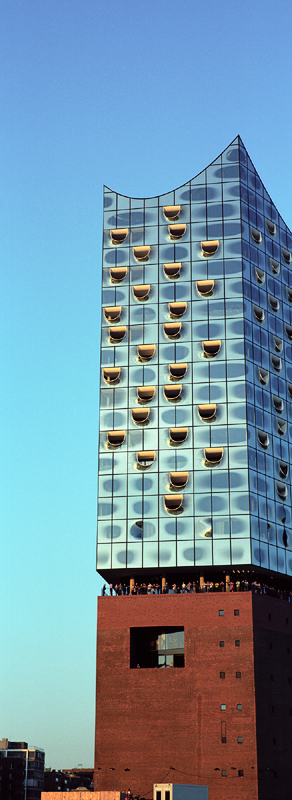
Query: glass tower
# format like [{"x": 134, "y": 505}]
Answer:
[{"x": 196, "y": 378}]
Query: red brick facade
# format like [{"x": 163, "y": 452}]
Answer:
[{"x": 149, "y": 720}]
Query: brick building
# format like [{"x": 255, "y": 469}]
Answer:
[{"x": 195, "y": 488}]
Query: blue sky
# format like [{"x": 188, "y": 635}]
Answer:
[{"x": 140, "y": 96}]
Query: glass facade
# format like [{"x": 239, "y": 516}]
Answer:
[{"x": 196, "y": 377}]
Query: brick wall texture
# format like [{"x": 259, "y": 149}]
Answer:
[{"x": 157, "y": 725}]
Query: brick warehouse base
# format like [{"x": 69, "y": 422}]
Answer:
[{"x": 167, "y": 724}]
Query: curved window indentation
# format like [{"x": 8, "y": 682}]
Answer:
[
  {"x": 211, "y": 348},
  {"x": 282, "y": 426},
  {"x": 145, "y": 459},
  {"x": 172, "y": 271},
  {"x": 111, "y": 374},
  {"x": 118, "y": 333},
  {"x": 289, "y": 294},
  {"x": 172, "y": 329},
  {"x": 207, "y": 412},
  {"x": 119, "y": 235},
  {"x": 289, "y": 387},
  {"x": 177, "y": 371},
  {"x": 173, "y": 393},
  {"x": 205, "y": 288},
  {"x": 177, "y": 309},
  {"x": 278, "y": 404},
  {"x": 146, "y": 351},
  {"x": 213, "y": 456},
  {"x": 145, "y": 393},
  {"x": 263, "y": 439},
  {"x": 210, "y": 247},
  {"x": 285, "y": 538},
  {"x": 275, "y": 266},
  {"x": 283, "y": 468},
  {"x": 117, "y": 274},
  {"x": 178, "y": 436},
  {"x": 260, "y": 275},
  {"x": 288, "y": 329},
  {"x": 256, "y": 235},
  {"x": 171, "y": 212},
  {"x": 141, "y": 293},
  {"x": 274, "y": 303},
  {"x": 277, "y": 363},
  {"x": 140, "y": 415},
  {"x": 271, "y": 227},
  {"x": 278, "y": 343},
  {"x": 286, "y": 255},
  {"x": 177, "y": 231},
  {"x": 259, "y": 313},
  {"x": 112, "y": 313},
  {"x": 178, "y": 480},
  {"x": 173, "y": 503},
  {"x": 115, "y": 438},
  {"x": 282, "y": 490},
  {"x": 264, "y": 376},
  {"x": 141, "y": 253}
]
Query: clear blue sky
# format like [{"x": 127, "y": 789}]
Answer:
[{"x": 140, "y": 96}]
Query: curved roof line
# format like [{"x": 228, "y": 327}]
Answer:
[{"x": 129, "y": 197}]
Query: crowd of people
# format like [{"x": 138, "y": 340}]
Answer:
[{"x": 194, "y": 587}]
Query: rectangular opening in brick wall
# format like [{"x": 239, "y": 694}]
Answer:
[{"x": 156, "y": 648}]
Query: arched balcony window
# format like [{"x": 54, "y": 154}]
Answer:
[
  {"x": 146, "y": 351},
  {"x": 141, "y": 253},
  {"x": 177, "y": 371},
  {"x": 178, "y": 436},
  {"x": 145, "y": 393},
  {"x": 119, "y": 235},
  {"x": 171, "y": 213},
  {"x": 210, "y": 247},
  {"x": 207, "y": 412},
  {"x": 177, "y": 231},
  {"x": 173, "y": 503},
  {"x": 115, "y": 438},
  {"x": 140, "y": 416},
  {"x": 117, "y": 274},
  {"x": 145, "y": 459},
  {"x": 111, "y": 375},
  {"x": 172, "y": 271},
  {"x": 205, "y": 288},
  {"x": 112, "y": 313},
  {"x": 141, "y": 293},
  {"x": 213, "y": 456}
]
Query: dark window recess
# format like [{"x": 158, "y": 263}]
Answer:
[
  {"x": 271, "y": 646},
  {"x": 237, "y": 642},
  {"x": 158, "y": 795},
  {"x": 287, "y": 621},
  {"x": 272, "y": 677},
  {"x": 289, "y": 680},
  {"x": 156, "y": 647},
  {"x": 224, "y": 773},
  {"x": 221, "y": 644},
  {"x": 273, "y": 709},
  {"x": 221, "y": 613},
  {"x": 223, "y": 733},
  {"x": 236, "y": 612},
  {"x": 222, "y": 674},
  {"x": 167, "y": 795},
  {"x": 269, "y": 616},
  {"x": 238, "y": 674},
  {"x": 239, "y": 739},
  {"x": 288, "y": 649},
  {"x": 274, "y": 741},
  {"x": 240, "y": 773}
]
